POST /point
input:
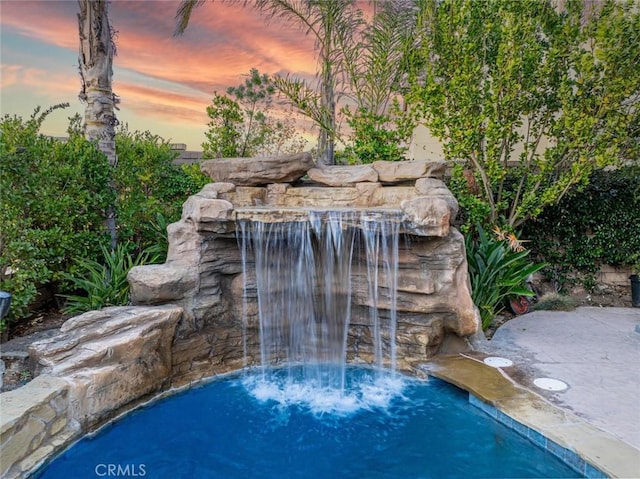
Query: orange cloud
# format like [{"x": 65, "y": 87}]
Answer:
[{"x": 221, "y": 43}]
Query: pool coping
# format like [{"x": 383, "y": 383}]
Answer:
[{"x": 587, "y": 449}]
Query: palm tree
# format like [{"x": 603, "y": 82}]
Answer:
[
  {"x": 377, "y": 62},
  {"x": 330, "y": 22},
  {"x": 333, "y": 24},
  {"x": 362, "y": 61},
  {"x": 95, "y": 60}
]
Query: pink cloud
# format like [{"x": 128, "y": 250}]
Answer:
[
  {"x": 222, "y": 42},
  {"x": 155, "y": 103},
  {"x": 50, "y": 22},
  {"x": 9, "y": 75}
]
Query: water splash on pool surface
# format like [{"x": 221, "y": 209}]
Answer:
[{"x": 370, "y": 390}]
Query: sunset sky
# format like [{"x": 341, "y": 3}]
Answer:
[{"x": 165, "y": 83}]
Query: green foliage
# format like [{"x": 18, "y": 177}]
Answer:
[
  {"x": 473, "y": 210},
  {"x": 496, "y": 272},
  {"x": 493, "y": 79},
  {"x": 54, "y": 196},
  {"x": 376, "y": 137},
  {"x": 158, "y": 250},
  {"x": 224, "y": 134},
  {"x": 103, "y": 283},
  {"x": 242, "y": 126},
  {"x": 255, "y": 96},
  {"x": 592, "y": 226},
  {"x": 360, "y": 58},
  {"x": 148, "y": 184}
]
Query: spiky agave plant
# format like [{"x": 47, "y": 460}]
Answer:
[
  {"x": 102, "y": 284},
  {"x": 497, "y": 272}
]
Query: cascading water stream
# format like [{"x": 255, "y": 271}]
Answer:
[{"x": 305, "y": 274}]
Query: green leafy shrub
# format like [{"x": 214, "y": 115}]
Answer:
[
  {"x": 376, "y": 137},
  {"x": 158, "y": 250},
  {"x": 590, "y": 227},
  {"x": 498, "y": 269},
  {"x": 103, "y": 283},
  {"x": 54, "y": 195},
  {"x": 473, "y": 209},
  {"x": 148, "y": 184}
]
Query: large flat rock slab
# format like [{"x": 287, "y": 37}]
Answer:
[
  {"x": 343, "y": 175},
  {"x": 258, "y": 171},
  {"x": 110, "y": 357},
  {"x": 401, "y": 171}
]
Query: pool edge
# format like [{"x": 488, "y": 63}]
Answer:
[{"x": 590, "y": 451}]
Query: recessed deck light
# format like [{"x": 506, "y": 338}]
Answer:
[
  {"x": 498, "y": 362},
  {"x": 550, "y": 384}
]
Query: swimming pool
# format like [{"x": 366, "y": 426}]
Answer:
[{"x": 243, "y": 426}]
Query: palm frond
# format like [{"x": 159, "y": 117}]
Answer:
[
  {"x": 306, "y": 99},
  {"x": 183, "y": 15}
]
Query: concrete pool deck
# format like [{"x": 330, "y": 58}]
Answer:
[{"x": 596, "y": 352}]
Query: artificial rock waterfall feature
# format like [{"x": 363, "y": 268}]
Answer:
[
  {"x": 353, "y": 264},
  {"x": 348, "y": 265}
]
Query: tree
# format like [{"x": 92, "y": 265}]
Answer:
[
  {"x": 328, "y": 21},
  {"x": 332, "y": 23},
  {"x": 223, "y": 135},
  {"x": 255, "y": 95},
  {"x": 495, "y": 78},
  {"x": 361, "y": 61},
  {"x": 243, "y": 126},
  {"x": 375, "y": 70},
  {"x": 95, "y": 59}
]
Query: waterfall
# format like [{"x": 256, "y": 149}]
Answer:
[{"x": 308, "y": 279}]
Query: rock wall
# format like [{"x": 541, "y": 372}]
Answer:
[
  {"x": 36, "y": 422},
  {"x": 203, "y": 271},
  {"x": 110, "y": 358}
]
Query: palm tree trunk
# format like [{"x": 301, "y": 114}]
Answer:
[
  {"x": 95, "y": 59},
  {"x": 327, "y": 98}
]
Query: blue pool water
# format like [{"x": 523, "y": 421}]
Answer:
[{"x": 243, "y": 427}]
